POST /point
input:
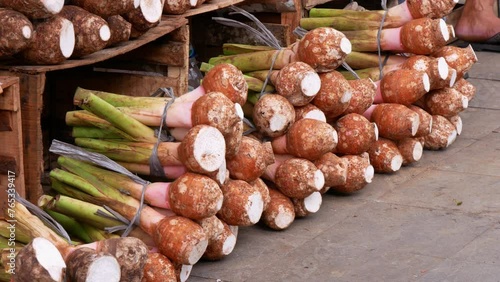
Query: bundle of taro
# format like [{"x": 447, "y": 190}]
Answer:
[{"x": 49, "y": 32}]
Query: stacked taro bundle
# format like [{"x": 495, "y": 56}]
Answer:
[
  {"x": 49, "y": 32},
  {"x": 428, "y": 78},
  {"x": 300, "y": 118}
]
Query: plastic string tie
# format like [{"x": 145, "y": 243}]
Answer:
[
  {"x": 347, "y": 67},
  {"x": 251, "y": 125},
  {"x": 156, "y": 168},
  {"x": 263, "y": 34},
  {"x": 44, "y": 217},
  {"x": 379, "y": 34},
  {"x": 65, "y": 149}
]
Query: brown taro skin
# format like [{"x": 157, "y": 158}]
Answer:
[
  {"x": 357, "y": 178},
  {"x": 273, "y": 115},
  {"x": 334, "y": 168},
  {"x": 403, "y": 86},
  {"x": 158, "y": 268},
  {"x": 298, "y": 178},
  {"x": 321, "y": 48},
  {"x": 363, "y": 95},
  {"x": 446, "y": 102},
  {"x": 44, "y": 47},
  {"x": 120, "y": 30},
  {"x": 465, "y": 88},
  {"x": 195, "y": 196},
  {"x": 180, "y": 239},
  {"x": 430, "y": 8},
  {"x": 443, "y": 134},
  {"x": 217, "y": 110},
  {"x": 425, "y": 119},
  {"x": 105, "y": 8},
  {"x": 356, "y": 134},
  {"x": 14, "y": 31},
  {"x": 280, "y": 213},
  {"x": 289, "y": 83},
  {"x": 334, "y": 96},
  {"x": 251, "y": 161},
  {"x": 385, "y": 156},
  {"x": 395, "y": 121},
  {"x": 423, "y": 36},
  {"x": 228, "y": 80},
  {"x": 87, "y": 30},
  {"x": 460, "y": 59},
  {"x": 310, "y": 138}
]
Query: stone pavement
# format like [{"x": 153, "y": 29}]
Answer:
[{"x": 437, "y": 220}]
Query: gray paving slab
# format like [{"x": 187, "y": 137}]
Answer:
[
  {"x": 452, "y": 191},
  {"x": 378, "y": 242},
  {"x": 477, "y": 123},
  {"x": 486, "y": 67},
  {"x": 487, "y": 93},
  {"x": 478, "y": 261},
  {"x": 481, "y": 157}
]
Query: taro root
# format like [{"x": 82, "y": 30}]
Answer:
[
  {"x": 460, "y": 59},
  {"x": 273, "y": 115},
  {"x": 385, "y": 156},
  {"x": 263, "y": 189},
  {"x": 334, "y": 95},
  {"x": 404, "y": 86},
  {"x": 251, "y": 161},
  {"x": 424, "y": 36},
  {"x": 465, "y": 88},
  {"x": 34, "y": 9},
  {"x": 308, "y": 205},
  {"x": 431, "y": 9},
  {"x": 298, "y": 178},
  {"x": 84, "y": 264},
  {"x": 395, "y": 121},
  {"x": 324, "y": 49},
  {"x": 228, "y": 80},
  {"x": 107, "y": 8},
  {"x": 16, "y": 32},
  {"x": 363, "y": 95},
  {"x": 307, "y": 138},
  {"x": 243, "y": 203},
  {"x": 443, "y": 134},
  {"x": 446, "y": 102},
  {"x": 203, "y": 149},
  {"x": 221, "y": 240},
  {"x": 195, "y": 196},
  {"x": 280, "y": 213},
  {"x": 425, "y": 121},
  {"x": 120, "y": 30},
  {"x": 359, "y": 173},
  {"x": 411, "y": 150},
  {"x": 91, "y": 31},
  {"x": 356, "y": 134},
  {"x": 436, "y": 68},
  {"x": 334, "y": 169},
  {"x": 309, "y": 111},
  {"x": 52, "y": 43},
  {"x": 298, "y": 82},
  {"x": 158, "y": 268}
]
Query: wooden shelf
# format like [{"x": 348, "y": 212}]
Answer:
[
  {"x": 167, "y": 25},
  {"x": 210, "y": 6}
]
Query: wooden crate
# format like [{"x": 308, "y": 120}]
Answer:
[
  {"x": 37, "y": 95},
  {"x": 11, "y": 150}
]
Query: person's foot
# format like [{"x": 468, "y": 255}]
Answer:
[{"x": 478, "y": 21}]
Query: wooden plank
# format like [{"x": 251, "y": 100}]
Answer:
[
  {"x": 292, "y": 19},
  {"x": 210, "y": 6},
  {"x": 171, "y": 54},
  {"x": 167, "y": 25},
  {"x": 270, "y": 6},
  {"x": 11, "y": 150},
  {"x": 6, "y": 121}
]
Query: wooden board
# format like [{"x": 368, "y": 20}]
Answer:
[
  {"x": 11, "y": 150},
  {"x": 210, "y": 6},
  {"x": 167, "y": 25}
]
